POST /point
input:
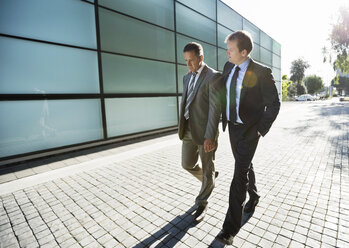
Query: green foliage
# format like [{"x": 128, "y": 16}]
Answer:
[
  {"x": 298, "y": 68},
  {"x": 342, "y": 83},
  {"x": 301, "y": 89},
  {"x": 313, "y": 84},
  {"x": 285, "y": 84},
  {"x": 340, "y": 40},
  {"x": 292, "y": 90}
]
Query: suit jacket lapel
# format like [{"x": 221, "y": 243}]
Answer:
[
  {"x": 225, "y": 76},
  {"x": 200, "y": 80},
  {"x": 185, "y": 86}
]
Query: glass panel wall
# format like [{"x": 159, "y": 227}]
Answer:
[
  {"x": 253, "y": 30},
  {"x": 228, "y": 17},
  {"x": 33, "y": 67},
  {"x": 131, "y": 115},
  {"x": 255, "y": 54},
  {"x": 266, "y": 56},
  {"x": 56, "y": 78},
  {"x": 122, "y": 34},
  {"x": 154, "y": 11},
  {"x": 62, "y": 21},
  {"x": 28, "y": 126},
  {"x": 204, "y": 30},
  {"x": 266, "y": 41},
  {"x": 276, "y": 48},
  {"x": 122, "y": 74},
  {"x": 222, "y": 58},
  {"x": 223, "y": 32},
  {"x": 277, "y": 74},
  {"x": 205, "y": 7},
  {"x": 276, "y": 61}
]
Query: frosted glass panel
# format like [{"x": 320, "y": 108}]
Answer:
[
  {"x": 205, "y": 29},
  {"x": 33, "y": 67},
  {"x": 126, "y": 35},
  {"x": 210, "y": 52},
  {"x": 277, "y": 74},
  {"x": 182, "y": 71},
  {"x": 206, "y": 7},
  {"x": 62, "y": 21},
  {"x": 222, "y": 34},
  {"x": 255, "y": 52},
  {"x": 229, "y": 17},
  {"x": 276, "y": 48},
  {"x": 154, "y": 11},
  {"x": 132, "y": 115},
  {"x": 266, "y": 56},
  {"x": 132, "y": 75},
  {"x": 253, "y": 30},
  {"x": 266, "y": 41},
  {"x": 28, "y": 126},
  {"x": 222, "y": 58},
  {"x": 276, "y": 61}
]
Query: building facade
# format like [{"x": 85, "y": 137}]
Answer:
[{"x": 76, "y": 73}]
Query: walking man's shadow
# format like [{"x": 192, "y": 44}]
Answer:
[{"x": 171, "y": 235}]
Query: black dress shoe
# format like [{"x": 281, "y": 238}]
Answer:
[
  {"x": 225, "y": 238},
  {"x": 200, "y": 213},
  {"x": 216, "y": 174},
  {"x": 251, "y": 205}
]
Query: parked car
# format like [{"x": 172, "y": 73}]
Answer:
[{"x": 305, "y": 97}]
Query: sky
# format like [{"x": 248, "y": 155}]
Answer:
[{"x": 302, "y": 27}]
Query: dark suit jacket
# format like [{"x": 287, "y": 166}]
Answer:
[
  {"x": 259, "y": 101},
  {"x": 205, "y": 109}
]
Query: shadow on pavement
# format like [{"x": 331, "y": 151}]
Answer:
[
  {"x": 244, "y": 220},
  {"x": 169, "y": 235}
]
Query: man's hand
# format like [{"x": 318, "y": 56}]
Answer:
[{"x": 209, "y": 145}]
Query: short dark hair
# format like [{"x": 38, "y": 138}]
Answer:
[
  {"x": 194, "y": 46},
  {"x": 243, "y": 38}
]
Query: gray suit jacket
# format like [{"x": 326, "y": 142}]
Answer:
[{"x": 205, "y": 109}]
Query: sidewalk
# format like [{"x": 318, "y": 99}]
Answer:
[{"x": 139, "y": 196}]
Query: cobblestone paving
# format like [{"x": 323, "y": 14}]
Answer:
[{"x": 302, "y": 173}]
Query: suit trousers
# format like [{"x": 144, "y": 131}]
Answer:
[
  {"x": 206, "y": 174},
  {"x": 243, "y": 140}
]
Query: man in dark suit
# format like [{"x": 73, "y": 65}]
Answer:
[
  {"x": 250, "y": 105},
  {"x": 198, "y": 122}
]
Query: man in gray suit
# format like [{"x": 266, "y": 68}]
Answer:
[{"x": 198, "y": 125}]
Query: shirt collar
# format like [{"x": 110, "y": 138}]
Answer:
[
  {"x": 243, "y": 66},
  {"x": 201, "y": 68}
]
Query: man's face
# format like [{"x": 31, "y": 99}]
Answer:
[
  {"x": 234, "y": 55},
  {"x": 193, "y": 61}
]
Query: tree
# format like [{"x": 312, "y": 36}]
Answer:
[
  {"x": 298, "y": 68},
  {"x": 341, "y": 83},
  {"x": 340, "y": 40},
  {"x": 313, "y": 84},
  {"x": 301, "y": 89},
  {"x": 285, "y": 84}
]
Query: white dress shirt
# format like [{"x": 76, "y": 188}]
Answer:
[
  {"x": 243, "y": 69},
  {"x": 197, "y": 75}
]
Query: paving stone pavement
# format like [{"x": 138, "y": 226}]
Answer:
[{"x": 141, "y": 197}]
